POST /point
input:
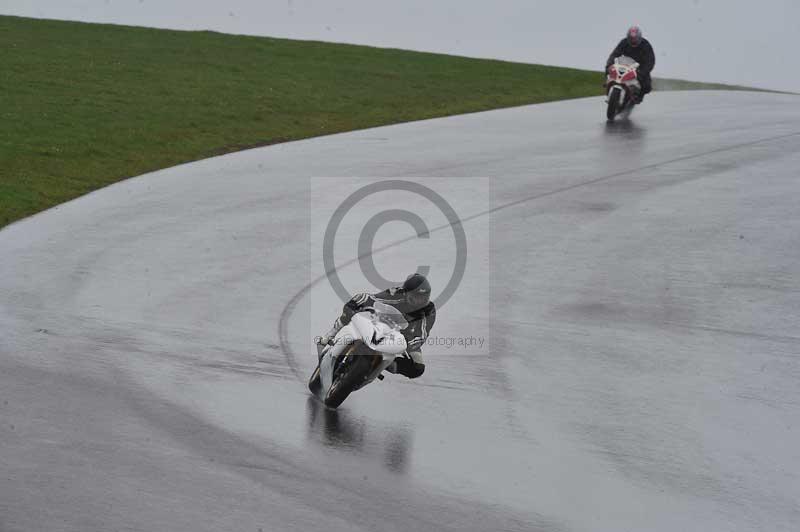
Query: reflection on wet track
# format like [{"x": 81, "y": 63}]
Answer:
[{"x": 339, "y": 430}]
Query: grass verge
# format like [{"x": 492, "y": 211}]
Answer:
[{"x": 85, "y": 105}]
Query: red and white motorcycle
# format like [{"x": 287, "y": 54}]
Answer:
[{"x": 622, "y": 87}]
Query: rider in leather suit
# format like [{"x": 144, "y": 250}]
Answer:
[
  {"x": 412, "y": 299},
  {"x": 639, "y": 49}
]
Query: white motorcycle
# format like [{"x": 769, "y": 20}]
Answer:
[
  {"x": 358, "y": 354},
  {"x": 622, "y": 86}
]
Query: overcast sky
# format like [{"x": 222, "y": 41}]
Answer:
[{"x": 734, "y": 41}]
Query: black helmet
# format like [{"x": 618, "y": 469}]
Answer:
[{"x": 417, "y": 290}]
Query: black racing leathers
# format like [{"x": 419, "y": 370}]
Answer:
[
  {"x": 642, "y": 54},
  {"x": 420, "y": 322}
]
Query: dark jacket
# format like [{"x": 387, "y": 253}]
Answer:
[{"x": 642, "y": 54}]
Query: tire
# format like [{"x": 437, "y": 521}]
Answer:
[
  {"x": 357, "y": 369},
  {"x": 613, "y": 104},
  {"x": 314, "y": 383}
]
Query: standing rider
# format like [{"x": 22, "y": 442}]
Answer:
[
  {"x": 639, "y": 49},
  {"x": 412, "y": 299}
]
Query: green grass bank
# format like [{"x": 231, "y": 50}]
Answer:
[{"x": 85, "y": 105}]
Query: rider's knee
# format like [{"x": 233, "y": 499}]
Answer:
[
  {"x": 409, "y": 368},
  {"x": 415, "y": 371}
]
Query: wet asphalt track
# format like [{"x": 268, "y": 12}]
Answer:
[{"x": 644, "y": 368}]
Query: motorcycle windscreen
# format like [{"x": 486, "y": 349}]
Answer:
[
  {"x": 625, "y": 60},
  {"x": 390, "y": 316},
  {"x": 388, "y": 322}
]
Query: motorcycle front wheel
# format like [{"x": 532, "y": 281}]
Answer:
[
  {"x": 357, "y": 368},
  {"x": 314, "y": 383},
  {"x": 613, "y": 103}
]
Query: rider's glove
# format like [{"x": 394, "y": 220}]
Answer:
[{"x": 327, "y": 338}]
